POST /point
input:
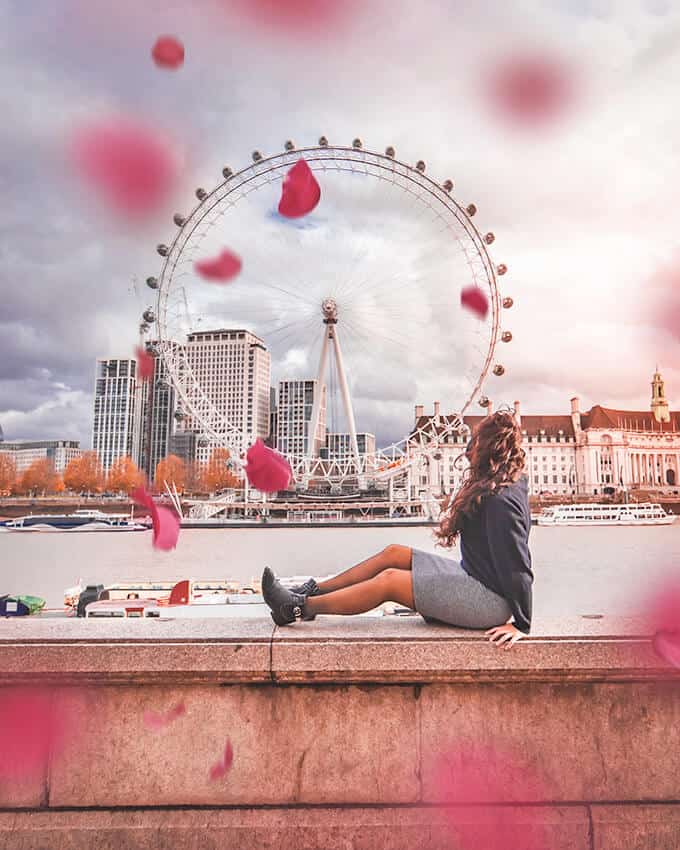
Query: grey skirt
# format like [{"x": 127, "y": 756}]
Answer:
[{"x": 443, "y": 591}]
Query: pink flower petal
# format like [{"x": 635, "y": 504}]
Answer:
[
  {"x": 667, "y": 646},
  {"x": 225, "y": 266},
  {"x": 300, "y": 192},
  {"x": 220, "y": 768},
  {"x": 29, "y": 730},
  {"x": 165, "y": 521},
  {"x": 266, "y": 469},
  {"x": 145, "y": 364},
  {"x": 168, "y": 52},
  {"x": 154, "y": 720},
  {"x": 299, "y": 18},
  {"x": 530, "y": 89},
  {"x": 130, "y": 167},
  {"x": 475, "y": 300}
]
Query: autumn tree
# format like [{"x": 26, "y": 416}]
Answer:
[
  {"x": 8, "y": 473},
  {"x": 172, "y": 470},
  {"x": 124, "y": 475},
  {"x": 216, "y": 474},
  {"x": 40, "y": 477},
  {"x": 84, "y": 474}
]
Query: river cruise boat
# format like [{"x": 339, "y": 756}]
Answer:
[
  {"x": 589, "y": 514},
  {"x": 83, "y": 520}
]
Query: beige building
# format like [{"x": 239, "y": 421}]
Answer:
[
  {"x": 26, "y": 452},
  {"x": 582, "y": 453}
]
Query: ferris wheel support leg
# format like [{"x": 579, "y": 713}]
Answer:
[
  {"x": 347, "y": 401},
  {"x": 316, "y": 407}
]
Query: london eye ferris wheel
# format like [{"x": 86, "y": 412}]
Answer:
[{"x": 363, "y": 294}]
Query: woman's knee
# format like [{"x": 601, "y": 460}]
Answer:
[
  {"x": 388, "y": 576},
  {"x": 398, "y": 556}
]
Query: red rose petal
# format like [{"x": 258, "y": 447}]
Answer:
[
  {"x": 220, "y": 768},
  {"x": 165, "y": 521},
  {"x": 530, "y": 89},
  {"x": 168, "y": 52},
  {"x": 145, "y": 364},
  {"x": 300, "y": 192},
  {"x": 299, "y": 17},
  {"x": 29, "y": 730},
  {"x": 475, "y": 300},
  {"x": 154, "y": 720},
  {"x": 266, "y": 469},
  {"x": 129, "y": 166},
  {"x": 224, "y": 267}
]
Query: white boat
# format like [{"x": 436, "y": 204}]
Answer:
[
  {"x": 594, "y": 514},
  {"x": 82, "y": 520}
]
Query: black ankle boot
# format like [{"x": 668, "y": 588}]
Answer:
[
  {"x": 286, "y": 606},
  {"x": 307, "y": 588}
]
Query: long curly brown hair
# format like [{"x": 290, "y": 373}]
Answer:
[{"x": 496, "y": 458}]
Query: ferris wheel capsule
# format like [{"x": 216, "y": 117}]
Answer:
[
  {"x": 143, "y": 328},
  {"x": 323, "y": 142},
  {"x": 508, "y": 302},
  {"x": 389, "y": 151},
  {"x": 201, "y": 194},
  {"x": 447, "y": 185},
  {"x": 290, "y": 145},
  {"x": 420, "y": 165},
  {"x": 498, "y": 370},
  {"x": 226, "y": 172},
  {"x": 489, "y": 238},
  {"x": 149, "y": 316},
  {"x": 179, "y": 219},
  {"x": 506, "y": 336},
  {"x": 163, "y": 250},
  {"x": 179, "y": 415},
  {"x": 257, "y": 156},
  {"x": 501, "y": 269},
  {"x": 152, "y": 282},
  {"x": 483, "y": 401},
  {"x": 357, "y": 144},
  {"x": 470, "y": 209}
]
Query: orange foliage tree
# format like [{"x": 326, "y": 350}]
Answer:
[
  {"x": 8, "y": 473},
  {"x": 173, "y": 470},
  {"x": 40, "y": 477},
  {"x": 84, "y": 474},
  {"x": 124, "y": 475},
  {"x": 216, "y": 475}
]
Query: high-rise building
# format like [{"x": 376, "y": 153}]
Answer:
[
  {"x": 339, "y": 446},
  {"x": 233, "y": 368},
  {"x": 294, "y": 414},
  {"x": 25, "y": 452},
  {"x": 273, "y": 418},
  {"x": 118, "y": 408},
  {"x": 157, "y": 416}
]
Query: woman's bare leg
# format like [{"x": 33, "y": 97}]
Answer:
[
  {"x": 392, "y": 557},
  {"x": 390, "y": 585}
]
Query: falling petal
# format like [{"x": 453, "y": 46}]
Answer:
[
  {"x": 168, "y": 52},
  {"x": 30, "y": 731},
  {"x": 530, "y": 90},
  {"x": 165, "y": 522},
  {"x": 224, "y": 267},
  {"x": 220, "y": 768},
  {"x": 130, "y": 167},
  {"x": 667, "y": 646},
  {"x": 145, "y": 364},
  {"x": 300, "y": 192},
  {"x": 154, "y": 720},
  {"x": 475, "y": 300},
  {"x": 298, "y": 18},
  {"x": 266, "y": 469}
]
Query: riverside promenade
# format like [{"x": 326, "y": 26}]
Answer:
[{"x": 335, "y": 726}]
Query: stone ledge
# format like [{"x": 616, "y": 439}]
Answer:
[
  {"x": 332, "y": 649},
  {"x": 346, "y": 828}
]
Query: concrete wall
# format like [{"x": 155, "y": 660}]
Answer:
[{"x": 338, "y": 729}]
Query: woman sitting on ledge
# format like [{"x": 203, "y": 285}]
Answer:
[{"x": 488, "y": 587}]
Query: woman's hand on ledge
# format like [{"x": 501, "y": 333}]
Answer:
[{"x": 507, "y": 634}]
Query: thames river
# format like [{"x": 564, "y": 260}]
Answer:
[{"x": 577, "y": 570}]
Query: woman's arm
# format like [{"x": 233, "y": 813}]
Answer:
[{"x": 507, "y": 538}]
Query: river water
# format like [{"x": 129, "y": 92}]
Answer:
[{"x": 578, "y": 570}]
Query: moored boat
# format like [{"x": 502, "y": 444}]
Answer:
[
  {"x": 82, "y": 520},
  {"x": 600, "y": 514}
]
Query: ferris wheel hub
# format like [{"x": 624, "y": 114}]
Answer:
[{"x": 329, "y": 309}]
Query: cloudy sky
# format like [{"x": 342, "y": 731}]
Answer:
[{"x": 583, "y": 209}]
